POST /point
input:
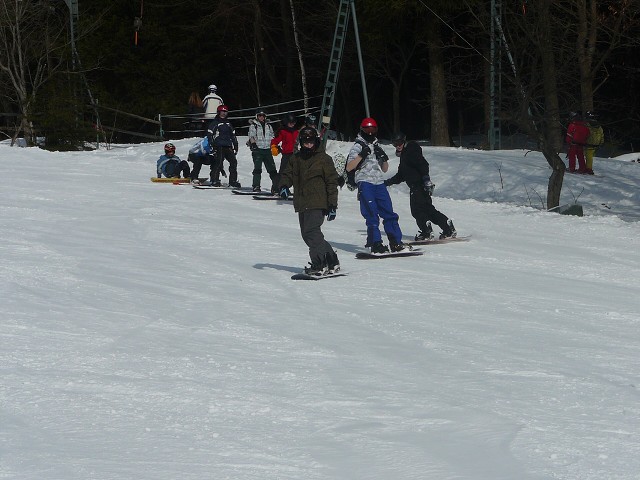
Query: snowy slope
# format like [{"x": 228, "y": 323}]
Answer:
[{"x": 152, "y": 332}]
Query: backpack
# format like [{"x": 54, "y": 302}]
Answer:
[
  {"x": 340, "y": 163},
  {"x": 205, "y": 144},
  {"x": 347, "y": 178}
]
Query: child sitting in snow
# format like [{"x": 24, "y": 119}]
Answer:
[{"x": 170, "y": 164}]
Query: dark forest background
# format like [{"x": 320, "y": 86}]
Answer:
[{"x": 426, "y": 61}]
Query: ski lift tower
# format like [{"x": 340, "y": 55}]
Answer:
[
  {"x": 346, "y": 9},
  {"x": 73, "y": 21},
  {"x": 75, "y": 58}
]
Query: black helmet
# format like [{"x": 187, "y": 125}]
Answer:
[
  {"x": 260, "y": 111},
  {"x": 308, "y": 134},
  {"x": 398, "y": 139},
  {"x": 288, "y": 118},
  {"x": 310, "y": 121}
]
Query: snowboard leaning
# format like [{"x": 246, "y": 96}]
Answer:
[
  {"x": 249, "y": 191},
  {"x": 304, "y": 276},
  {"x": 173, "y": 180},
  {"x": 210, "y": 187},
  {"x": 370, "y": 256},
  {"x": 272, "y": 197},
  {"x": 222, "y": 187},
  {"x": 437, "y": 241}
]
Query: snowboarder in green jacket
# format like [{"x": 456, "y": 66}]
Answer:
[{"x": 314, "y": 179}]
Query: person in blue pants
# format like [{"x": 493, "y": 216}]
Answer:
[{"x": 370, "y": 163}]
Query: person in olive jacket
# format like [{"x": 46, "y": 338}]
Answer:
[
  {"x": 414, "y": 169},
  {"x": 314, "y": 179}
]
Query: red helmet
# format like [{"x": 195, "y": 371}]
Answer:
[
  {"x": 222, "y": 108},
  {"x": 368, "y": 122},
  {"x": 170, "y": 148}
]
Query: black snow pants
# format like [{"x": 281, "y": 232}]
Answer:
[{"x": 422, "y": 209}]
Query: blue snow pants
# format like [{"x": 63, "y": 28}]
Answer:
[{"x": 375, "y": 203}]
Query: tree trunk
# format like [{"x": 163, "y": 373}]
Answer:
[
  {"x": 289, "y": 47},
  {"x": 439, "y": 113},
  {"x": 552, "y": 125},
  {"x": 557, "y": 175},
  {"x": 550, "y": 136},
  {"x": 303, "y": 73},
  {"x": 396, "y": 105},
  {"x": 585, "y": 49},
  {"x": 262, "y": 52}
]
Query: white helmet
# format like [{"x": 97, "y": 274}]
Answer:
[{"x": 212, "y": 88}]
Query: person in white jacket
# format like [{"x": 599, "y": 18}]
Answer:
[
  {"x": 211, "y": 102},
  {"x": 260, "y": 136},
  {"x": 370, "y": 163}
]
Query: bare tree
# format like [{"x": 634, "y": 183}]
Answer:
[
  {"x": 32, "y": 42},
  {"x": 439, "y": 112},
  {"x": 303, "y": 73},
  {"x": 599, "y": 23}
]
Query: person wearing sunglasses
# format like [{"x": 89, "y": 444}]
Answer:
[
  {"x": 414, "y": 169},
  {"x": 369, "y": 162}
]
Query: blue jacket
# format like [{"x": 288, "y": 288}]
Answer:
[
  {"x": 202, "y": 148},
  {"x": 162, "y": 163}
]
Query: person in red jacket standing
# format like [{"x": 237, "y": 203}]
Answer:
[
  {"x": 284, "y": 142},
  {"x": 577, "y": 134}
]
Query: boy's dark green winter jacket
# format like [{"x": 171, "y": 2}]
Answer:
[{"x": 314, "y": 181}]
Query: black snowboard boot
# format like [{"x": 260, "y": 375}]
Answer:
[
  {"x": 332, "y": 262},
  {"x": 379, "y": 247},
  {"x": 315, "y": 269},
  {"x": 425, "y": 233},
  {"x": 398, "y": 247},
  {"x": 449, "y": 231}
]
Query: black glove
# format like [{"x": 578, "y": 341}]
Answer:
[
  {"x": 284, "y": 192},
  {"x": 380, "y": 155},
  {"x": 253, "y": 146},
  {"x": 365, "y": 152},
  {"x": 387, "y": 183},
  {"x": 331, "y": 213},
  {"x": 428, "y": 186}
]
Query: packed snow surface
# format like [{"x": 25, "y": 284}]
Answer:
[{"x": 152, "y": 332}]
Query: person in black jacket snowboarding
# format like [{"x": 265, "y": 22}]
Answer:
[{"x": 414, "y": 169}]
